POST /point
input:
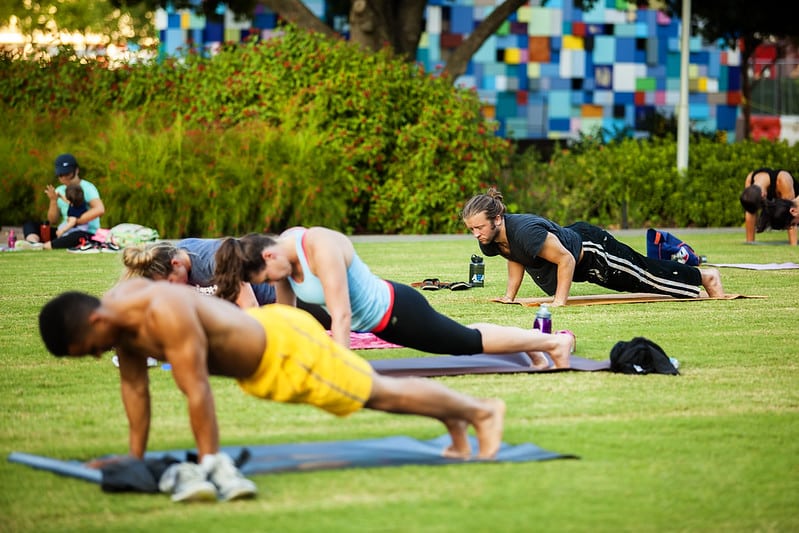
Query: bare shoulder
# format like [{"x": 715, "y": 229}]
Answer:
[
  {"x": 143, "y": 286},
  {"x": 785, "y": 185},
  {"x": 322, "y": 235}
]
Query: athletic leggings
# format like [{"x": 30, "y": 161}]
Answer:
[
  {"x": 414, "y": 323},
  {"x": 614, "y": 265}
]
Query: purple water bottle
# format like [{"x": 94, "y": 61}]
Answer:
[
  {"x": 12, "y": 239},
  {"x": 543, "y": 320}
]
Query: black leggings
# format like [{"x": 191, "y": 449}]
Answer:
[
  {"x": 614, "y": 265},
  {"x": 415, "y": 324}
]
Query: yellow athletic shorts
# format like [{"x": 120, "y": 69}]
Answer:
[{"x": 302, "y": 364}]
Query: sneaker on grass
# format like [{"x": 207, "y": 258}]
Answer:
[
  {"x": 85, "y": 247},
  {"x": 109, "y": 247},
  {"x": 230, "y": 483},
  {"x": 151, "y": 361},
  {"x": 28, "y": 245},
  {"x": 187, "y": 482}
]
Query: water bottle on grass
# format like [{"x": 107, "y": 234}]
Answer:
[{"x": 543, "y": 319}]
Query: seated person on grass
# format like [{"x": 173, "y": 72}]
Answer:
[{"x": 274, "y": 352}]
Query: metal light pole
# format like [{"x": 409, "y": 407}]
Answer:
[{"x": 682, "y": 116}]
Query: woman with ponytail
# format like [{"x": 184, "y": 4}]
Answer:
[{"x": 320, "y": 266}]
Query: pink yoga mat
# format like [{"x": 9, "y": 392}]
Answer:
[{"x": 368, "y": 341}]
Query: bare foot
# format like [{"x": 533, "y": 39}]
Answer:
[
  {"x": 711, "y": 281},
  {"x": 460, "y": 448},
  {"x": 539, "y": 360},
  {"x": 489, "y": 428},
  {"x": 560, "y": 354}
]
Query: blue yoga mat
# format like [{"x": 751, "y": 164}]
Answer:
[{"x": 309, "y": 456}]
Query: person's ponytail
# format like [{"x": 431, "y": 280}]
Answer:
[{"x": 228, "y": 274}]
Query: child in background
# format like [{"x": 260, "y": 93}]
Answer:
[{"x": 77, "y": 206}]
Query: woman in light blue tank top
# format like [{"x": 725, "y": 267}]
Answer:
[{"x": 320, "y": 265}]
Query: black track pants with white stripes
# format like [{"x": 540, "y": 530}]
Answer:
[{"x": 614, "y": 265}]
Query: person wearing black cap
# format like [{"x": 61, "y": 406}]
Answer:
[{"x": 67, "y": 171}]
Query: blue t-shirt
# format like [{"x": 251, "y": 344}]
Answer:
[{"x": 203, "y": 263}]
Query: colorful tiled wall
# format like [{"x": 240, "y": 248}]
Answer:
[{"x": 550, "y": 71}]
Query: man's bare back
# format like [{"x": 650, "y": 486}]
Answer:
[{"x": 172, "y": 322}]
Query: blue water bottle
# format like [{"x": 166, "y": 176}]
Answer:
[{"x": 543, "y": 320}]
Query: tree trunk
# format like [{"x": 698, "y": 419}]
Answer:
[
  {"x": 460, "y": 58},
  {"x": 397, "y": 24},
  {"x": 747, "y": 50},
  {"x": 295, "y": 12}
]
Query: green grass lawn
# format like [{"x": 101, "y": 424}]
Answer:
[{"x": 714, "y": 449}]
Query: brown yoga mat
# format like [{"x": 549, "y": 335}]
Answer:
[{"x": 621, "y": 298}]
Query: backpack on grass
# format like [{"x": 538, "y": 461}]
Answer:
[
  {"x": 640, "y": 356},
  {"x": 132, "y": 234},
  {"x": 664, "y": 245}
]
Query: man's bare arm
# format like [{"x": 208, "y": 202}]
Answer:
[
  {"x": 185, "y": 347},
  {"x": 515, "y": 278},
  {"x": 135, "y": 386},
  {"x": 554, "y": 252}
]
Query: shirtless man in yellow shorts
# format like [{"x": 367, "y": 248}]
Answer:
[{"x": 275, "y": 352}]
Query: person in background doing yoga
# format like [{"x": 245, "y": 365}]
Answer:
[
  {"x": 555, "y": 256},
  {"x": 763, "y": 189},
  {"x": 320, "y": 265}
]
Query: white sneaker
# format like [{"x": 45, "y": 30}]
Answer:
[
  {"x": 151, "y": 361},
  {"x": 187, "y": 482},
  {"x": 231, "y": 485},
  {"x": 28, "y": 245}
]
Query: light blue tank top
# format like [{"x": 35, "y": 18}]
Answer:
[{"x": 370, "y": 296}]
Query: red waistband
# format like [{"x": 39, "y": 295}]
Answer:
[{"x": 384, "y": 321}]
